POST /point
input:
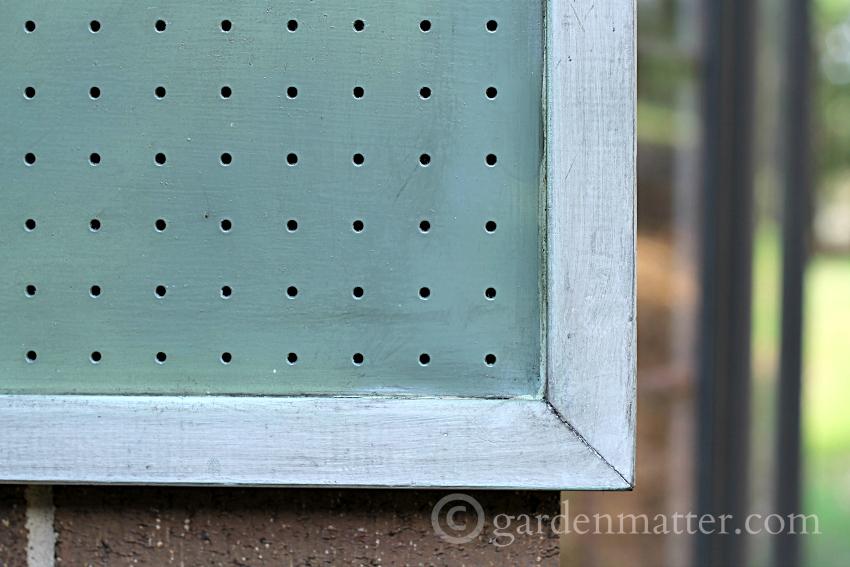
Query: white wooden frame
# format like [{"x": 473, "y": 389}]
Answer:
[{"x": 579, "y": 436}]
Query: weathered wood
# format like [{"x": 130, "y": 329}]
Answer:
[
  {"x": 591, "y": 228},
  {"x": 294, "y": 441}
]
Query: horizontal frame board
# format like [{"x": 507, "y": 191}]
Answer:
[{"x": 293, "y": 441}]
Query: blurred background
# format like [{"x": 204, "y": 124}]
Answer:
[{"x": 743, "y": 281}]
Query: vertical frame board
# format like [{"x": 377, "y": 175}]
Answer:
[
  {"x": 591, "y": 197},
  {"x": 577, "y": 432}
]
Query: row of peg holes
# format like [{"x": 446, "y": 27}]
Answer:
[
  {"x": 226, "y": 225},
  {"x": 292, "y": 25},
  {"x": 226, "y": 292},
  {"x": 226, "y": 159},
  {"x": 291, "y": 92},
  {"x": 358, "y": 359}
]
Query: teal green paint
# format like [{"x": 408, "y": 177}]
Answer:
[{"x": 325, "y": 125}]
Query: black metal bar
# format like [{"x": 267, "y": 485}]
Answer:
[
  {"x": 726, "y": 263},
  {"x": 797, "y": 176}
]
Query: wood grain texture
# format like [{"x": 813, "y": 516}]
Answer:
[
  {"x": 591, "y": 223},
  {"x": 294, "y": 441}
]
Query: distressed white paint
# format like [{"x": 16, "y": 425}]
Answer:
[
  {"x": 591, "y": 228},
  {"x": 580, "y": 437},
  {"x": 294, "y": 441}
]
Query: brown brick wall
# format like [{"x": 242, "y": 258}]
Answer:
[
  {"x": 120, "y": 526},
  {"x": 13, "y": 532}
]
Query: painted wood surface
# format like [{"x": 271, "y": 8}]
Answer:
[
  {"x": 294, "y": 441},
  {"x": 291, "y": 269},
  {"x": 591, "y": 228}
]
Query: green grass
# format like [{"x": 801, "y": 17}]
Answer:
[
  {"x": 826, "y": 419},
  {"x": 827, "y": 356},
  {"x": 827, "y": 340}
]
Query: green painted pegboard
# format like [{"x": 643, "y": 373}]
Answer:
[{"x": 271, "y": 197}]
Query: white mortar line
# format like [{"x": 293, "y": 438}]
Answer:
[{"x": 41, "y": 540}]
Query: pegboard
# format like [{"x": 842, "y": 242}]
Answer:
[{"x": 278, "y": 198}]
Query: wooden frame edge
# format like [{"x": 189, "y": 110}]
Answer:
[
  {"x": 333, "y": 442},
  {"x": 591, "y": 223}
]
